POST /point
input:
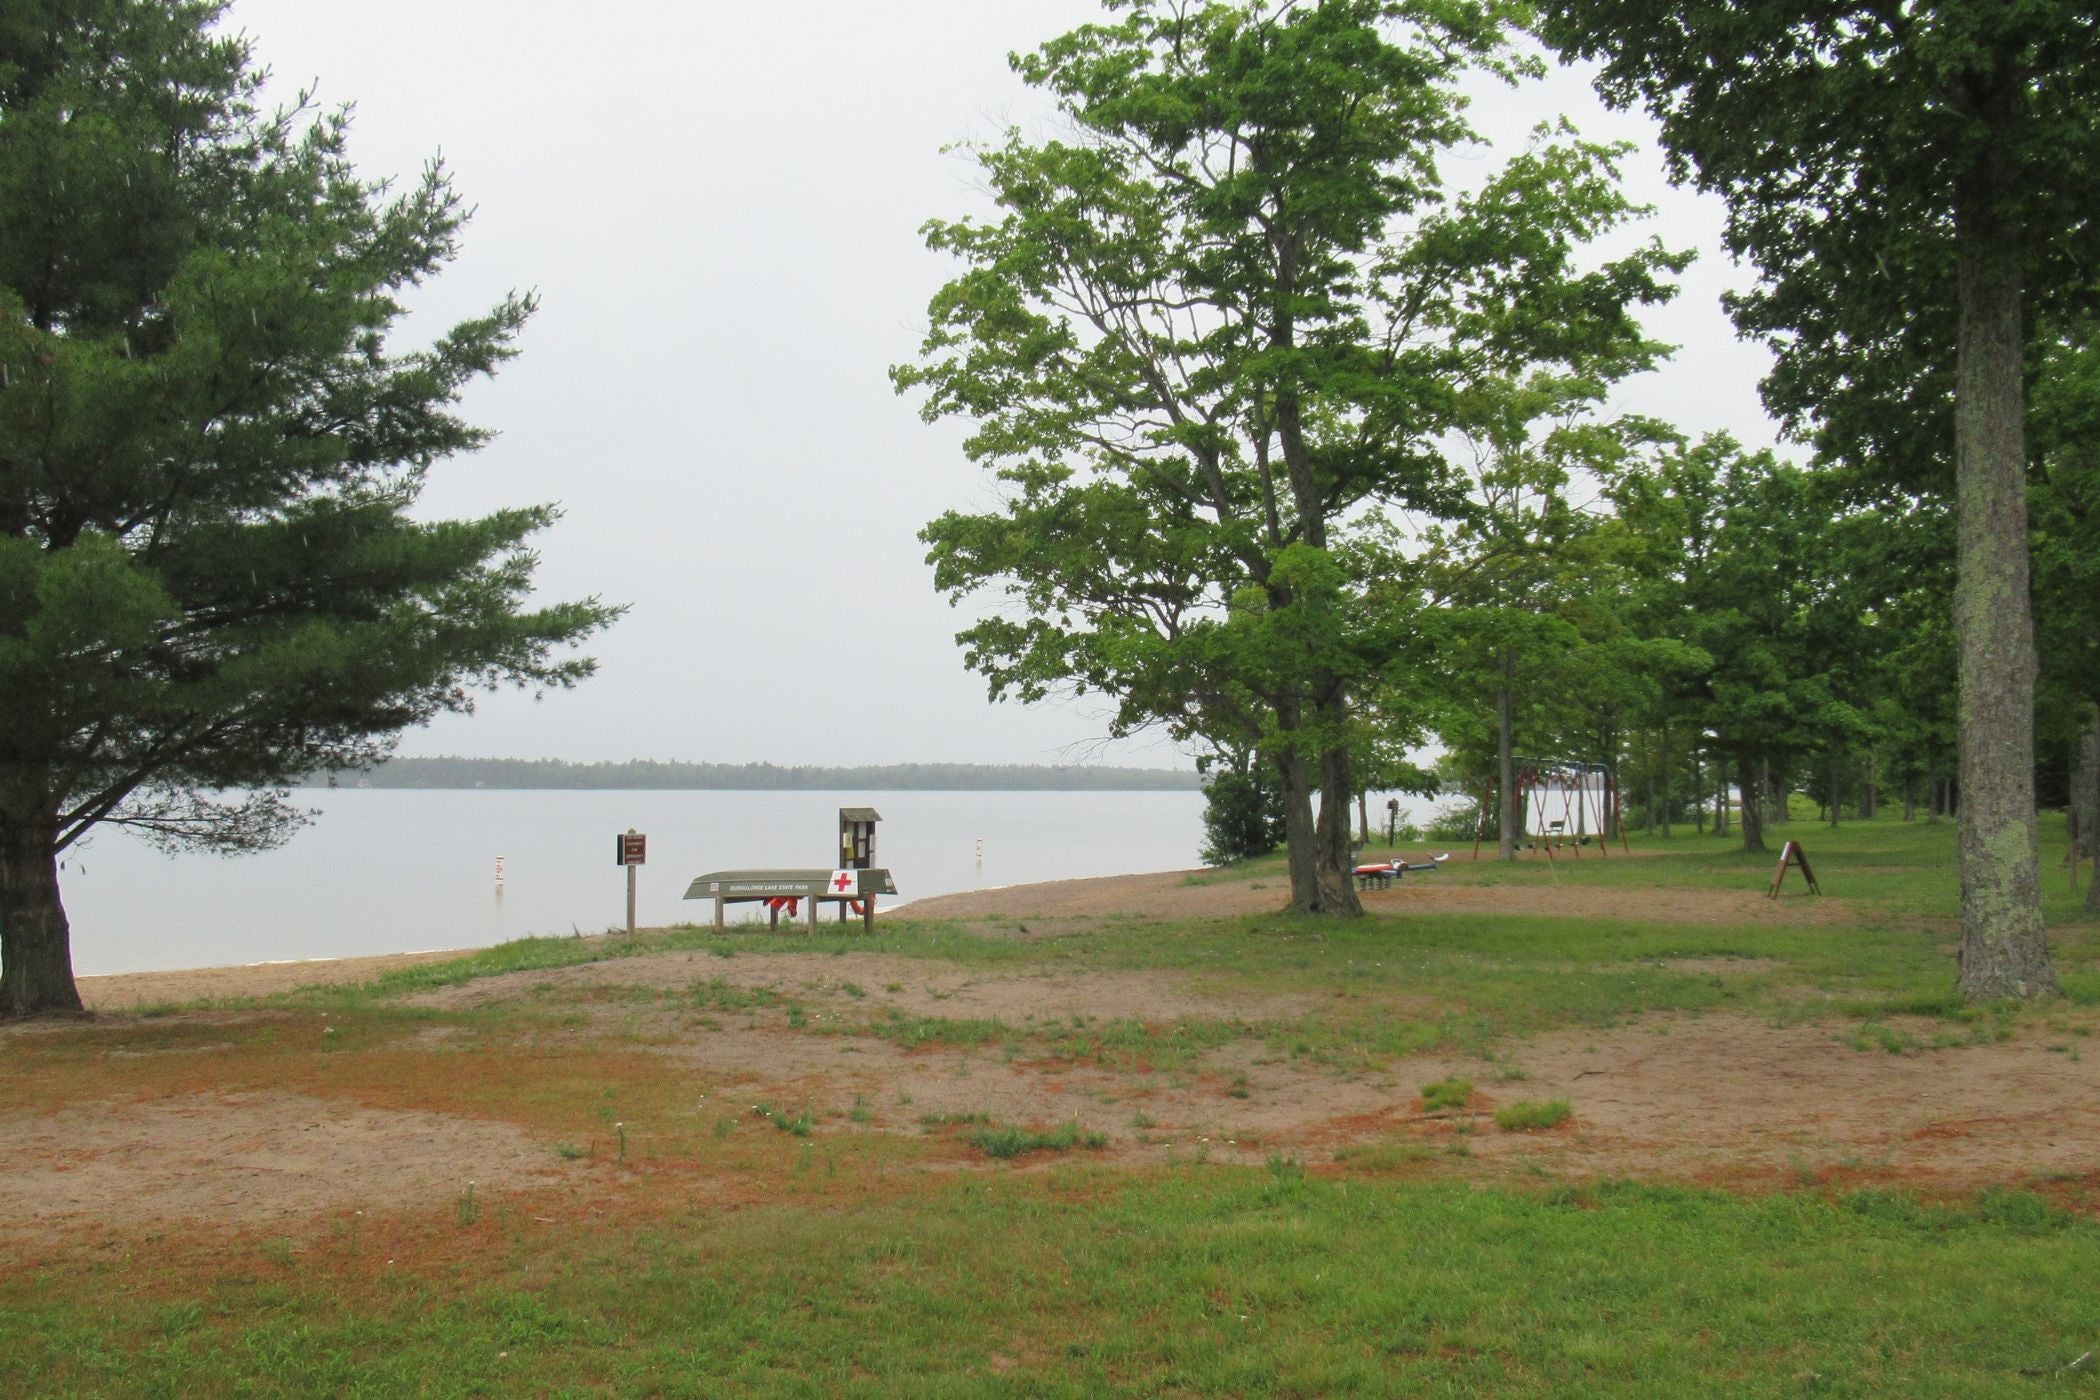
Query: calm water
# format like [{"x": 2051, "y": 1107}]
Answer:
[{"x": 387, "y": 871}]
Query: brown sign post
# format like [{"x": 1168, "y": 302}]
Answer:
[
  {"x": 1794, "y": 855},
  {"x": 630, "y": 850}
]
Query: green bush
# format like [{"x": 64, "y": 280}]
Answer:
[
  {"x": 1458, "y": 822},
  {"x": 1242, "y": 812}
]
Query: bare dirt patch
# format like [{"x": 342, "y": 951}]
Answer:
[
  {"x": 1728, "y": 1095},
  {"x": 1726, "y": 1098},
  {"x": 1723, "y": 1096},
  {"x": 249, "y": 1159},
  {"x": 1226, "y": 1103},
  {"x": 1729, "y": 1098}
]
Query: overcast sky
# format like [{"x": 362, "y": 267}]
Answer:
[{"x": 719, "y": 207}]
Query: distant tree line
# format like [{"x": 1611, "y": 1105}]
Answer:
[{"x": 765, "y": 777}]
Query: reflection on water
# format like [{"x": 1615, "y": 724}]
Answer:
[{"x": 386, "y": 871}]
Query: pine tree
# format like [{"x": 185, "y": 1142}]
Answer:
[{"x": 210, "y": 582}]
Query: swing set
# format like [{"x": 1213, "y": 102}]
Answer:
[{"x": 1580, "y": 791}]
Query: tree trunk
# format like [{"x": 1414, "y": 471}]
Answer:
[
  {"x": 1667, "y": 800},
  {"x": 2085, "y": 780},
  {"x": 36, "y": 951},
  {"x": 1752, "y": 804},
  {"x": 1773, "y": 808},
  {"x": 1720, "y": 796},
  {"x": 2005, "y": 952},
  {"x": 2092, "y": 795},
  {"x": 1301, "y": 839},
  {"x": 1506, "y": 758},
  {"x": 1336, "y": 867}
]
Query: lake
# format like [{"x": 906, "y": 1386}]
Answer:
[{"x": 393, "y": 870}]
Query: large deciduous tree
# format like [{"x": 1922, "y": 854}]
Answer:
[
  {"x": 1913, "y": 181},
  {"x": 1220, "y": 325},
  {"x": 209, "y": 578}
]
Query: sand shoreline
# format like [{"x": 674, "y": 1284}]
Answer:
[{"x": 126, "y": 991}]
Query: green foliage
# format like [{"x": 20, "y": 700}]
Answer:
[
  {"x": 1242, "y": 812},
  {"x": 1844, "y": 139},
  {"x": 1447, "y": 1093},
  {"x": 1214, "y": 335},
  {"x": 1745, "y": 569}
]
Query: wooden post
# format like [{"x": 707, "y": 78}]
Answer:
[
  {"x": 867, "y": 913},
  {"x": 1544, "y": 833},
  {"x": 812, "y": 916},
  {"x": 630, "y": 889},
  {"x": 721, "y": 925}
]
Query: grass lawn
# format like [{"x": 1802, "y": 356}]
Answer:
[{"x": 778, "y": 1165}]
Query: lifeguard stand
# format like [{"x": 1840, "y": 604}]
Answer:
[{"x": 857, "y": 837}]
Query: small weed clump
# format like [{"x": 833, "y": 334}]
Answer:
[
  {"x": 1529, "y": 1115},
  {"x": 1447, "y": 1093},
  {"x": 717, "y": 994},
  {"x": 953, "y": 1120},
  {"x": 1387, "y": 1156},
  {"x": 1016, "y": 1142},
  {"x": 798, "y": 1124}
]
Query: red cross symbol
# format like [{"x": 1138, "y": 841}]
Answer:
[{"x": 842, "y": 881}]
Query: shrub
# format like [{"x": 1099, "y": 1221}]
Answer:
[
  {"x": 1457, "y": 821},
  {"x": 1242, "y": 812}
]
